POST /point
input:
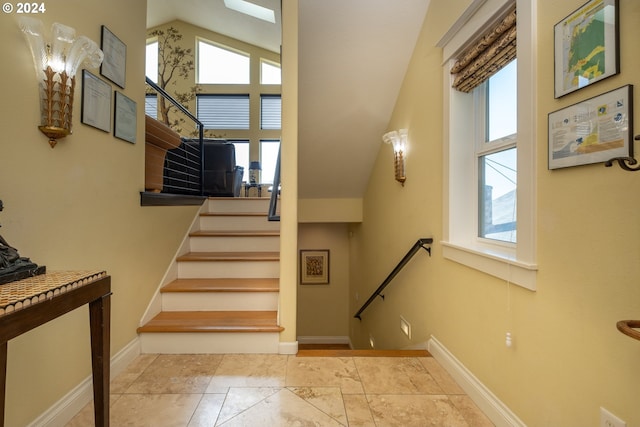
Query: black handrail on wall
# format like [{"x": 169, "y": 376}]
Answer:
[
  {"x": 275, "y": 192},
  {"x": 421, "y": 243}
]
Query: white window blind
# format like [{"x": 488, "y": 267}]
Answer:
[
  {"x": 223, "y": 111},
  {"x": 151, "y": 105},
  {"x": 270, "y": 112}
]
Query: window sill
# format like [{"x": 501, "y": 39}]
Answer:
[{"x": 499, "y": 264}]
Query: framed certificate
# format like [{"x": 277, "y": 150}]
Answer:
[
  {"x": 124, "y": 118},
  {"x": 96, "y": 102},
  {"x": 115, "y": 58}
]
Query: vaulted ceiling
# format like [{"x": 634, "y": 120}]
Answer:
[{"x": 353, "y": 55}]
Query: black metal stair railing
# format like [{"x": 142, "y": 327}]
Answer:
[
  {"x": 420, "y": 244},
  {"x": 275, "y": 192}
]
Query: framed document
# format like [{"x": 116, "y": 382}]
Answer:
[
  {"x": 586, "y": 46},
  {"x": 115, "y": 58},
  {"x": 592, "y": 131},
  {"x": 124, "y": 118},
  {"x": 96, "y": 102}
]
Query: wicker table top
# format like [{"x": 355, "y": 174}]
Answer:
[{"x": 23, "y": 293}]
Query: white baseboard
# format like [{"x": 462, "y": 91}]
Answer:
[
  {"x": 489, "y": 403},
  {"x": 66, "y": 408},
  {"x": 325, "y": 340},
  {"x": 288, "y": 347}
]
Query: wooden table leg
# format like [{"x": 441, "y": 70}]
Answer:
[
  {"x": 3, "y": 379},
  {"x": 100, "y": 320}
]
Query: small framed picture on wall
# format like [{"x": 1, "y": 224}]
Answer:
[{"x": 314, "y": 267}]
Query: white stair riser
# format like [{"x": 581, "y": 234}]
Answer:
[
  {"x": 237, "y": 223},
  {"x": 228, "y": 269},
  {"x": 209, "y": 342},
  {"x": 235, "y": 244},
  {"x": 238, "y": 205},
  {"x": 219, "y": 301}
]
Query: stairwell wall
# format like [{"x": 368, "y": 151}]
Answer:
[
  {"x": 77, "y": 206},
  {"x": 566, "y": 349}
]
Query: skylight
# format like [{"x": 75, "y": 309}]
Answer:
[{"x": 251, "y": 9}]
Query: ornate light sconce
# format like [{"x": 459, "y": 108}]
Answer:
[
  {"x": 627, "y": 163},
  {"x": 398, "y": 139},
  {"x": 57, "y": 57}
]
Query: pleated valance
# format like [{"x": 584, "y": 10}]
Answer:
[{"x": 495, "y": 49}]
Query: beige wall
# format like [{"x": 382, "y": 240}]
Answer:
[
  {"x": 323, "y": 309},
  {"x": 568, "y": 359},
  {"x": 77, "y": 207}
]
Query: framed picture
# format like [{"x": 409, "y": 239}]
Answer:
[
  {"x": 96, "y": 102},
  {"x": 592, "y": 131},
  {"x": 586, "y": 46},
  {"x": 115, "y": 58},
  {"x": 314, "y": 267},
  {"x": 124, "y": 118}
]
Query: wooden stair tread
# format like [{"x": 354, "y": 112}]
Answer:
[
  {"x": 236, "y": 233},
  {"x": 222, "y": 285},
  {"x": 234, "y": 214},
  {"x": 230, "y": 256},
  {"x": 213, "y": 321},
  {"x": 363, "y": 353}
]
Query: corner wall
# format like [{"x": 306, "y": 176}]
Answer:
[
  {"x": 77, "y": 206},
  {"x": 568, "y": 359}
]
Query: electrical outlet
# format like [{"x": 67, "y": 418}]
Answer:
[{"x": 607, "y": 419}]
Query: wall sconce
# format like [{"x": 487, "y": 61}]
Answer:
[
  {"x": 398, "y": 139},
  {"x": 254, "y": 167},
  {"x": 57, "y": 57}
]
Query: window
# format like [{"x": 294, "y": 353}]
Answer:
[
  {"x": 270, "y": 112},
  {"x": 223, "y": 111},
  {"x": 269, "y": 73},
  {"x": 222, "y": 65},
  {"x": 496, "y": 155},
  {"x": 242, "y": 156},
  {"x": 151, "y": 61},
  {"x": 151, "y": 105},
  {"x": 490, "y": 184},
  {"x": 269, "y": 156}
]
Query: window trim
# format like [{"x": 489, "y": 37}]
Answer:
[{"x": 515, "y": 264}]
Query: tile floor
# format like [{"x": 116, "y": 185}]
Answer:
[{"x": 279, "y": 390}]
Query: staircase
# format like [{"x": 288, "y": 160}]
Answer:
[{"x": 224, "y": 298}]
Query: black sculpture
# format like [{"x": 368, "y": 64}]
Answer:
[{"x": 12, "y": 265}]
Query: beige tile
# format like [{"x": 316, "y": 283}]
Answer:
[
  {"x": 153, "y": 410},
  {"x": 132, "y": 372},
  {"x": 471, "y": 413},
  {"x": 324, "y": 372},
  {"x": 249, "y": 370},
  {"x": 415, "y": 411},
  {"x": 86, "y": 417},
  {"x": 207, "y": 411},
  {"x": 327, "y": 399},
  {"x": 358, "y": 412},
  {"x": 176, "y": 373},
  {"x": 442, "y": 377},
  {"x": 239, "y": 400},
  {"x": 282, "y": 409},
  {"x": 395, "y": 375}
]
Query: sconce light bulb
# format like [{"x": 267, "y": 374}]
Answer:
[{"x": 508, "y": 341}]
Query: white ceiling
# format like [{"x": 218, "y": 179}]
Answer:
[{"x": 353, "y": 55}]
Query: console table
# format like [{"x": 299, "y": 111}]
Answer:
[{"x": 28, "y": 303}]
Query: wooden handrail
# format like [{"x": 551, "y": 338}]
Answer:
[
  {"x": 627, "y": 328},
  {"x": 420, "y": 244}
]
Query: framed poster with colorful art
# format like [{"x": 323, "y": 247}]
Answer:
[{"x": 586, "y": 46}]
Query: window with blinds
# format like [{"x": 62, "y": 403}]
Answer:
[
  {"x": 223, "y": 111},
  {"x": 151, "y": 105},
  {"x": 270, "y": 112}
]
